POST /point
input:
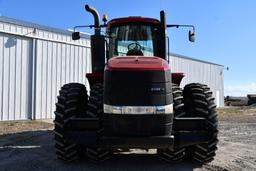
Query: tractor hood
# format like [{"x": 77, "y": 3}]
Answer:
[{"x": 137, "y": 63}]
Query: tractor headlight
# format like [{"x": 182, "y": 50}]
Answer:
[
  {"x": 112, "y": 109},
  {"x": 166, "y": 109}
]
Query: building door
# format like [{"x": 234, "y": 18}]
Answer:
[{"x": 15, "y": 77}]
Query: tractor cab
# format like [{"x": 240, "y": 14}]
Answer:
[{"x": 133, "y": 36}]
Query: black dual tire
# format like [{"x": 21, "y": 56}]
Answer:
[
  {"x": 95, "y": 110},
  {"x": 194, "y": 101},
  {"x": 198, "y": 102},
  {"x": 176, "y": 154},
  {"x": 72, "y": 101}
]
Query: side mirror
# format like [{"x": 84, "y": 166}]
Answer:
[
  {"x": 191, "y": 36},
  {"x": 75, "y": 35}
]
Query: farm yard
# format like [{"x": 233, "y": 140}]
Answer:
[{"x": 30, "y": 145}]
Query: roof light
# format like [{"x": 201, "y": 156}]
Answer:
[{"x": 105, "y": 18}]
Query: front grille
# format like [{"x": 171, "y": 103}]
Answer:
[{"x": 136, "y": 88}]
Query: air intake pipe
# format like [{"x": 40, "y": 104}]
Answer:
[{"x": 96, "y": 17}]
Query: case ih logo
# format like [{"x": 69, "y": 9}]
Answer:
[{"x": 156, "y": 89}]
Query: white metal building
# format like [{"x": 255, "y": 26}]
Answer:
[
  {"x": 200, "y": 71},
  {"x": 35, "y": 61}
]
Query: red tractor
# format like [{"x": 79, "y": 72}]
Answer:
[{"x": 135, "y": 101}]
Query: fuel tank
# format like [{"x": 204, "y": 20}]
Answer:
[{"x": 137, "y": 81}]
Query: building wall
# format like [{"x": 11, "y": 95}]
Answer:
[
  {"x": 197, "y": 71},
  {"x": 55, "y": 65},
  {"x": 35, "y": 61}
]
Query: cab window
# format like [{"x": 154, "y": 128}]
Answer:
[{"x": 132, "y": 37}]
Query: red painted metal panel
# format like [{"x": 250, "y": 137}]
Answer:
[
  {"x": 137, "y": 63},
  {"x": 133, "y": 20}
]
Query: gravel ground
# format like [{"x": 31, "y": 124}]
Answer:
[{"x": 28, "y": 145}]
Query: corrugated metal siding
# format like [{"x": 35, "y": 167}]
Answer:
[
  {"x": 200, "y": 72},
  {"x": 35, "y": 63},
  {"x": 57, "y": 64},
  {"x": 15, "y": 55}
]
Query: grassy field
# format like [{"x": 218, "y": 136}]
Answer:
[
  {"x": 237, "y": 114},
  {"x": 10, "y": 127}
]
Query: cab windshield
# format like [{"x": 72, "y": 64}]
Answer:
[{"x": 132, "y": 39}]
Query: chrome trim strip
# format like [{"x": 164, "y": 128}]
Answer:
[{"x": 166, "y": 109}]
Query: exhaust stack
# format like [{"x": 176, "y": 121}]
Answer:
[
  {"x": 97, "y": 43},
  {"x": 96, "y": 17}
]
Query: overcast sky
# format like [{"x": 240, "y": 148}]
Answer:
[{"x": 225, "y": 29}]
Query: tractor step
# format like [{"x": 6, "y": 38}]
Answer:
[
  {"x": 80, "y": 124},
  {"x": 189, "y": 124}
]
